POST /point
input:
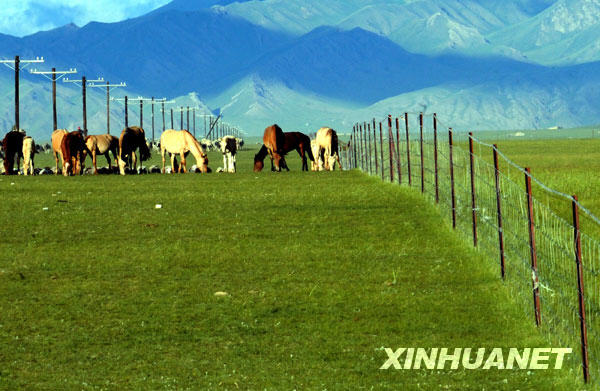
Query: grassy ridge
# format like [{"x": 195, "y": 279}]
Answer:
[{"x": 104, "y": 291}]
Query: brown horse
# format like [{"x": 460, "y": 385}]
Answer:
[
  {"x": 101, "y": 145},
  {"x": 273, "y": 142},
  {"x": 132, "y": 138},
  {"x": 73, "y": 150},
  {"x": 12, "y": 146},
  {"x": 57, "y": 137}
]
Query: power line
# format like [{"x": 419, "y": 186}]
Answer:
[
  {"x": 15, "y": 66},
  {"x": 52, "y": 75}
]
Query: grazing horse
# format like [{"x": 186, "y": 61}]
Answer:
[
  {"x": 182, "y": 142},
  {"x": 301, "y": 143},
  {"x": 314, "y": 165},
  {"x": 29, "y": 151},
  {"x": 12, "y": 146},
  {"x": 101, "y": 145},
  {"x": 73, "y": 151},
  {"x": 229, "y": 147},
  {"x": 57, "y": 137},
  {"x": 328, "y": 154},
  {"x": 273, "y": 142},
  {"x": 132, "y": 138}
]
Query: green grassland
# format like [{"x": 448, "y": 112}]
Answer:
[{"x": 102, "y": 290}]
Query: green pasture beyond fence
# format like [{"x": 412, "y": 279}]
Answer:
[{"x": 545, "y": 244}]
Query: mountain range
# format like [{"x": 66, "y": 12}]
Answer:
[{"x": 304, "y": 64}]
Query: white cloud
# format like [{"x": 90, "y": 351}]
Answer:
[{"x": 24, "y": 17}]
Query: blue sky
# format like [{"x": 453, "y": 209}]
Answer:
[{"x": 24, "y": 17}]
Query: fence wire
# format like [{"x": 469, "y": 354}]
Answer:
[{"x": 460, "y": 176}]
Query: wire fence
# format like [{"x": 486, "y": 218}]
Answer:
[{"x": 545, "y": 244}]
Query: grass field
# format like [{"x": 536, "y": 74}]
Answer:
[{"x": 104, "y": 291}]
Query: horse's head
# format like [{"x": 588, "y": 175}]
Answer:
[
  {"x": 258, "y": 164},
  {"x": 203, "y": 163}
]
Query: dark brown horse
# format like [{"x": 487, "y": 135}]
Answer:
[
  {"x": 301, "y": 143},
  {"x": 73, "y": 151},
  {"x": 132, "y": 138},
  {"x": 273, "y": 142},
  {"x": 12, "y": 146}
]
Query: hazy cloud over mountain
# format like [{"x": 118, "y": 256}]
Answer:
[{"x": 24, "y": 17}]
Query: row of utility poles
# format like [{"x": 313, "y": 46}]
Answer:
[{"x": 215, "y": 127}]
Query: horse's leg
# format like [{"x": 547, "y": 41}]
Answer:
[
  {"x": 162, "y": 154},
  {"x": 182, "y": 167},
  {"x": 225, "y": 162},
  {"x": 120, "y": 161},
  {"x": 172, "y": 163},
  {"x": 56, "y": 160},
  {"x": 302, "y": 154},
  {"x": 134, "y": 160},
  {"x": 94, "y": 160}
]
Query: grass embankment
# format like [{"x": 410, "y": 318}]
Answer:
[{"x": 104, "y": 291}]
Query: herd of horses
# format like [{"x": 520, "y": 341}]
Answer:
[
  {"x": 323, "y": 151},
  {"x": 71, "y": 148}
]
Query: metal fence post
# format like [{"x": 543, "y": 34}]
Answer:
[
  {"x": 452, "y": 191},
  {"x": 375, "y": 148},
  {"x": 421, "y": 151},
  {"x": 532, "y": 250},
  {"x": 499, "y": 211},
  {"x": 390, "y": 138},
  {"x": 473, "y": 199},
  {"x": 435, "y": 159},
  {"x": 369, "y": 144},
  {"x": 407, "y": 149},
  {"x": 381, "y": 148},
  {"x": 580, "y": 292},
  {"x": 398, "y": 151}
]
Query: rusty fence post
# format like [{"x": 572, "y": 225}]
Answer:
[
  {"x": 369, "y": 143},
  {"x": 360, "y": 147},
  {"x": 365, "y": 135},
  {"x": 381, "y": 150},
  {"x": 499, "y": 211},
  {"x": 421, "y": 152},
  {"x": 390, "y": 140},
  {"x": 532, "y": 250},
  {"x": 473, "y": 198},
  {"x": 350, "y": 146},
  {"x": 435, "y": 159},
  {"x": 580, "y": 292},
  {"x": 452, "y": 190},
  {"x": 407, "y": 149},
  {"x": 398, "y": 151},
  {"x": 353, "y": 151},
  {"x": 375, "y": 148}
]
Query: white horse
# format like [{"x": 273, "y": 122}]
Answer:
[
  {"x": 28, "y": 154},
  {"x": 181, "y": 142},
  {"x": 327, "y": 144}
]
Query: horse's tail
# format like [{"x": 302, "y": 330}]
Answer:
[
  {"x": 334, "y": 143},
  {"x": 309, "y": 149}
]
